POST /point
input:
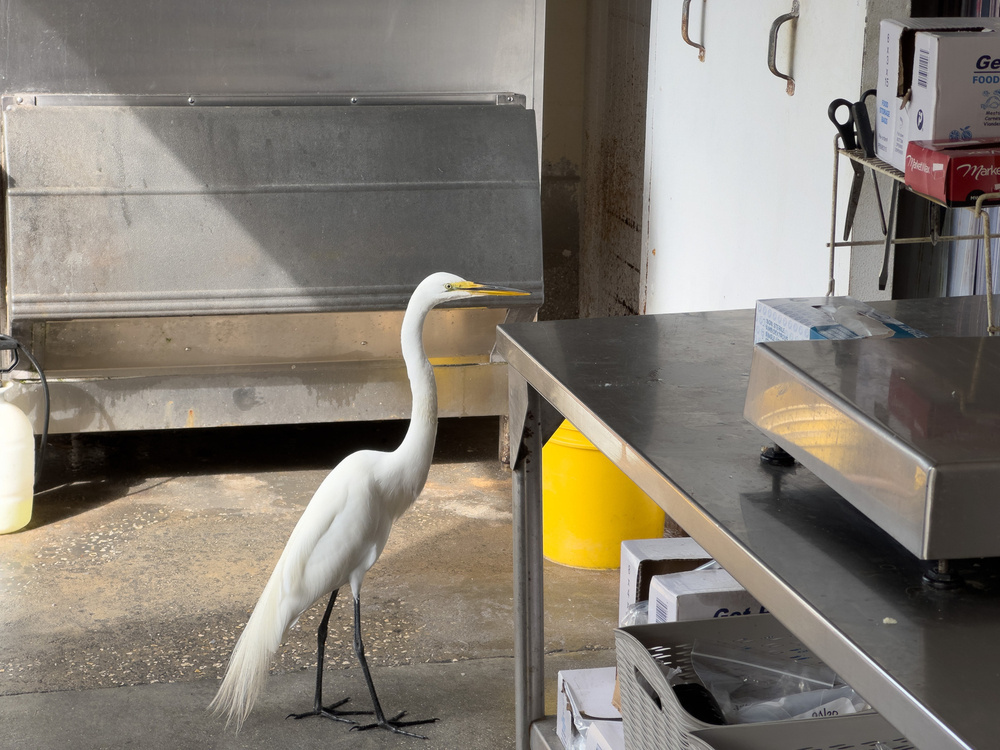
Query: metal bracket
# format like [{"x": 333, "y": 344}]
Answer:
[
  {"x": 991, "y": 329},
  {"x": 10, "y": 101},
  {"x": 514, "y": 315},
  {"x": 512, "y": 100},
  {"x": 544, "y": 418}
]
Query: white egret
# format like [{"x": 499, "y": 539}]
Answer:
[{"x": 344, "y": 528}]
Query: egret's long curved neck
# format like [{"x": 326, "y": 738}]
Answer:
[{"x": 418, "y": 445}]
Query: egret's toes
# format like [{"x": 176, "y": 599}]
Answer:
[
  {"x": 395, "y": 725},
  {"x": 331, "y": 712}
]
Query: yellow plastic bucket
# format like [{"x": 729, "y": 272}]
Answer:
[{"x": 589, "y": 506}]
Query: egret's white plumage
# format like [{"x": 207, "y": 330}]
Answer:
[{"x": 344, "y": 528}]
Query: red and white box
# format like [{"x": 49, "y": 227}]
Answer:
[{"x": 953, "y": 172}]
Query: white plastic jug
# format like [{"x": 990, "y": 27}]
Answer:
[{"x": 17, "y": 468}]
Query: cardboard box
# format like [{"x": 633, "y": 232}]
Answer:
[
  {"x": 804, "y": 318},
  {"x": 699, "y": 595},
  {"x": 953, "y": 172},
  {"x": 583, "y": 696},
  {"x": 644, "y": 558},
  {"x": 939, "y": 79},
  {"x": 606, "y": 735}
]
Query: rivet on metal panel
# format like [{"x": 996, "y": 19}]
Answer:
[
  {"x": 25, "y": 100},
  {"x": 354, "y": 100},
  {"x": 190, "y": 100},
  {"x": 512, "y": 98}
]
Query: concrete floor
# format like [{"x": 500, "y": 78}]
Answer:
[{"x": 147, "y": 551}]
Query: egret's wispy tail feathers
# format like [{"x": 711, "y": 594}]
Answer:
[{"x": 251, "y": 658}]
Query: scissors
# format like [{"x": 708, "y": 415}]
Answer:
[
  {"x": 849, "y": 141},
  {"x": 856, "y": 127}
]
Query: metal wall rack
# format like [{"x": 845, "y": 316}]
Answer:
[{"x": 898, "y": 179}]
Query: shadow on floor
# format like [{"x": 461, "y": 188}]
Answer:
[{"x": 112, "y": 464}]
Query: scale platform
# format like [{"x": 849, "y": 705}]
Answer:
[{"x": 907, "y": 430}]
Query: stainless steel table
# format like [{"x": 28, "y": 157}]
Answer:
[{"x": 663, "y": 396}]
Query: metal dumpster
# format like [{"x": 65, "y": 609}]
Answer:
[{"x": 215, "y": 213}]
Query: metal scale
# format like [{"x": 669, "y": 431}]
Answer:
[{"x": 907, "y": 430}]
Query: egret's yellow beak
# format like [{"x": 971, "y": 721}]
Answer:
[{"x": 490, "y": 289}]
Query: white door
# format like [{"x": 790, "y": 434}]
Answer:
[{"x": 739, "y": 173}]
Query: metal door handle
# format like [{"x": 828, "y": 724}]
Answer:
[
  {"x": 773, "y": 44},
  {"x": 685, "y": 13}
]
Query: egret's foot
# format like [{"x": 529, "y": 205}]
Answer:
[
  {"x": 331, "y": 712},
  {"x": 395, "y": 725}
]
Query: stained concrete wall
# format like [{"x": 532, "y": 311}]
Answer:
[
  {"x": 614, "y": 138},
  {"x": 562, "y": 155},
  {"x": 593, "y": 135}
]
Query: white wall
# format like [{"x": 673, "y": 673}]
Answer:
[{"x": 738, "y": 176}]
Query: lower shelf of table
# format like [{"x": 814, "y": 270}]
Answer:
[{"x": 543, "y": 735}]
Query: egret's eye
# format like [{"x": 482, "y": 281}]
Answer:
[{"x": 449, "y": 286}]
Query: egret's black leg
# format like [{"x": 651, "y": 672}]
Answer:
[
  {"x": 319, "y": 709},
  {"x": 394, "y": 724}
]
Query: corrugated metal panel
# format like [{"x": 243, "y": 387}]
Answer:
[{"x": 165, "y": 210}]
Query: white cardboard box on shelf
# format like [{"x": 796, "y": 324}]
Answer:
[
  {"x": 938, "y": 79},
  {"x": 606, "y": 735},
  {"x": 584, "y": 697},
  {"x": 699, "y": 595},
  {"x": 644, "y": 558}
]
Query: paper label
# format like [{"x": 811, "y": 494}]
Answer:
[{"x": 838, "y": 707}]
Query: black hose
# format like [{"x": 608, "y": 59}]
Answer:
[{"x": 12, "y": 344}]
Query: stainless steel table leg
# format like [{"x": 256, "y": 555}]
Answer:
[{"x": 526, "y": 459}]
